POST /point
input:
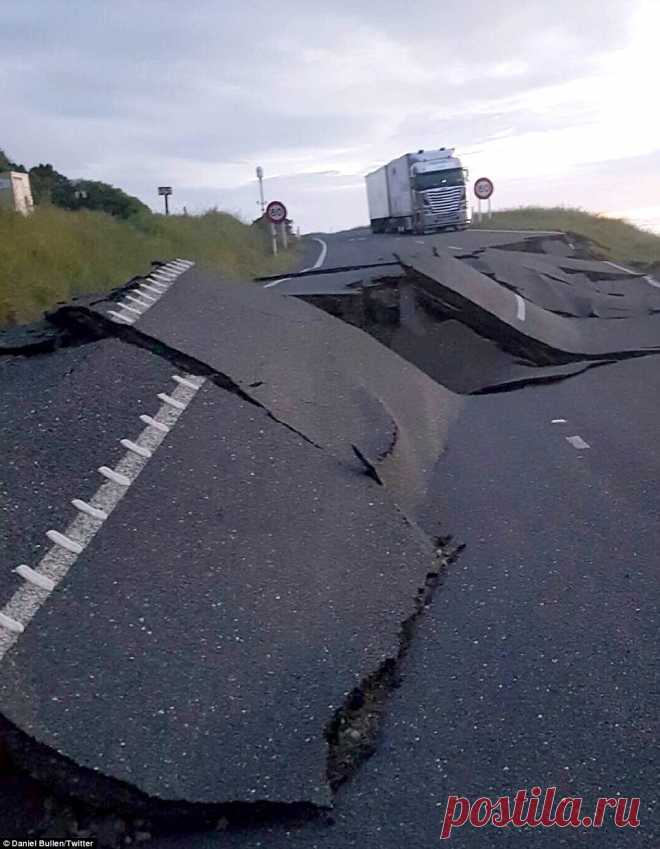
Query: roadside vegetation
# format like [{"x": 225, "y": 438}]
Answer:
[
  {"x": 56, "y": 253},
  {"x": 609, "y": 238}
]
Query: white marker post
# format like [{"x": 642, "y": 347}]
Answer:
[
  {"x": 276, "y": 214},
  {"x": 483, "y": 189}
]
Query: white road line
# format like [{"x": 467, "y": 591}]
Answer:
[
  {"x": 35, "y": 578},
  {"x": 163, "y": 428},
  {"x": 65, "y": 541},
  {"x": 142, "y": 303},
  {"x": 420, "y": 242},
  {"x": 559, "y": 421},
  {"x": 84, "y": 507},
  {"x": 156, "y": 283},
  {"x": 619, "y": 267},
  {"x": 520, "y": 307},
  {"x": 115, "y": 477},
  {"x": 454, "y": 247},
  {"x": 321, "y": 259},
  {"x": 16, "y": 615},
  {"x": 184, "y": 381},
  {"x": 120, "y": 317},
  {"x": 319, "y": 262},
  {"x": 577, "y": 442},
  {"x": 167, "y": 399},
  {"x": 647, "y": 277},
  {"x": 11, "y": 625},
  {"x": 151, "y": 289},
  {"x": 135, "y": 448}
]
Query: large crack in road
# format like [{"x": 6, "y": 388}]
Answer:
[{"x": 369, "y": 431}]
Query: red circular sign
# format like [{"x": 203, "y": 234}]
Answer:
[
  {"x": 483, "y": 188},
  {"x": 276, "y": 211}
]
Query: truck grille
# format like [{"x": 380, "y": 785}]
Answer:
[{"x": 444, "y": 201}]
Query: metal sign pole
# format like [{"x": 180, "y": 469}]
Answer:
[
  {"x": 490, "y": 213},
  {"x": 273, "y": 232},
  {"x": 285, "y": 240},
  {"x": 167, "y": 205},
  {"x": 260, "y": 177}
]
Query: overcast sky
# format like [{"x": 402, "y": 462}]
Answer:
[{"x": 555, "y": 101}]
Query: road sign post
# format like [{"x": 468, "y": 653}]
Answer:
[
  {"x": 483, "y": 189},
  {"x": 260, "y": 177},
  {"x": 165, "y": 191},
  {"x": 276, "y": 214}
]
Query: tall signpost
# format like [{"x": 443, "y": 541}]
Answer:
[
  {"x": 260, "y": 177},
  {"x": 483, "y": 189},
  {"x": 276, "y": 214},
  {"x": 165, "y": 191}
]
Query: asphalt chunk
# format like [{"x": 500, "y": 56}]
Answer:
[{"x": 208, "y": 634}]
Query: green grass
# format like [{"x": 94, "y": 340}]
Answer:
[
  {"x": 610, "y": 238},
  {"x": 55, "y": 254}
]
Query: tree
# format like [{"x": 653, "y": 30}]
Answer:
[
  {"x": 93, "y": 194},
  {"x": 47, "y": 184},
  {"x": 7, "y": 165}
]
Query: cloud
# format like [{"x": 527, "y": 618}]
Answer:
[{"x": 197, "y": 95}]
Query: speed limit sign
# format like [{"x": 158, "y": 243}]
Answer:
[
  {"x": 276, "y": 212},
  {"x": 483, "y": 188}
]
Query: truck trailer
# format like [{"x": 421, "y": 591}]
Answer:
[{"x": 419, "y": 193}]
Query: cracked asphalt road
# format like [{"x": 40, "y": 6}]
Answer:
[{"x": 537, "y": 662}]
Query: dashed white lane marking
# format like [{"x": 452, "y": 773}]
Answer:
[
  {"x": 35, "y": 578},
  {"x": 319, "y": 262},
  {"x": 420, "y": 242},
  {"x": 64, "y": 541},
  {"x": 163, "y": 428},
  {"x": 135, "y": 448},
  {"x": 454, "y": 247},
  {"x": 149, "y": 291},
  {"x": 151, "y": 288},
  {"x": 139, "y": 301},
  {"x": 53, "y": 567},
  {"x": 520, "y": 307},
  {"x": 651, "y": 281},
  {"x": 577, "y": 442},
  {"x": 84, "y": 507},
  {"x": 559, "y": 421},
  {"x": 115, "y": 477}
]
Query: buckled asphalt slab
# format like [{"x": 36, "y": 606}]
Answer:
[
  {"x": 205, "y": 638},
  {"x": 499, "y": 313},
  {"x": 253, "y": 572},
  {"x": 326, "y": 380}
]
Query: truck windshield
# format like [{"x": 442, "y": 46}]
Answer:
[{"x": 439, "y": 179}]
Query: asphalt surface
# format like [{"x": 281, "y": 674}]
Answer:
[
  {"x": 210, "y": 631},
  {"x": 61, "y": 417},
  {"x": 536, "y": 664}
]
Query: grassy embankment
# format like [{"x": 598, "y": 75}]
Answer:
[
  {"x": 610, "y": 238},
  {"x": 55, "y": 254}
]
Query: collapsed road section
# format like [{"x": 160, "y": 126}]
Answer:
[
  {"x": 200, "y": 626},
  {"x": 495, "y": 318}
]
